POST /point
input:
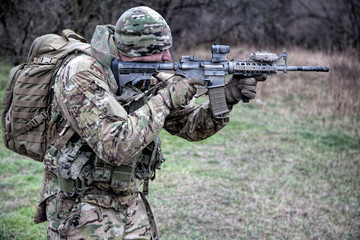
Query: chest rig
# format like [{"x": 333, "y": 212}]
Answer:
[{"x": 80, "y": 170}]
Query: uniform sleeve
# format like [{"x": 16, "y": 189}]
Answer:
[
  {"x": 101, "y": 121},
  {"x": 194, "y": 123}
]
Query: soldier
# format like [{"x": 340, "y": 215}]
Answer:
[{"x": 91, "y": 185}]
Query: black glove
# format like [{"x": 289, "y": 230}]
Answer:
[{"x": 239, "y": 87}]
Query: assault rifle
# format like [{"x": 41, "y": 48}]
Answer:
[{"x": 213, "y": 71}]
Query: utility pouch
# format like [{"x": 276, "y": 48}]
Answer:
[
  {"x": 73, "y": 175},
  {"x": 119, "y": 177},
  {"x": 150, "y": 160},
  {"x": 102, "y": 171}
]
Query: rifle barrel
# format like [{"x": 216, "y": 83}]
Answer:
[
  {"x": 303, "y": 68},
  {"x": 168, "y": 66}
]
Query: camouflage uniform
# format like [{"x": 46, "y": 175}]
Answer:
[{"x": 90, "y": 188}]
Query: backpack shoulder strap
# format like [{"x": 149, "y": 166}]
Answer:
[{"x": 67, "y": 33}]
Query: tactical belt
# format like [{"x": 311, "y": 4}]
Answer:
[{"x": 118, "y": 177}]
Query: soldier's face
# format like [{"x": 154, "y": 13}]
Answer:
[{"x": 157, "y": 57}]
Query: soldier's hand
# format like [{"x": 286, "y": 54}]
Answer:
[
  {"x": 165, "y": 78},
  {"x": 179, "y": 93},
  {"x": 239, "y": 86}
]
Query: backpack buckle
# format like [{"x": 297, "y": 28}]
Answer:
[
  {"x": 45, "y": 60},
  {"x": 64, "y": 129},
  {"x": 37, "y": 120}
]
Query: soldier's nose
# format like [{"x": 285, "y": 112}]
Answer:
[{"x": 166, "y": 56}]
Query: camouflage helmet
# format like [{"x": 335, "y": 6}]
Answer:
[{"x": 141, "y": 31}]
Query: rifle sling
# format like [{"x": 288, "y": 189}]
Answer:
[
  {"x": 153, "y": 228},
  {"x": 63, "y": 139}
]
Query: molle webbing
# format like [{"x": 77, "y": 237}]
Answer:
[
  {"x": 31, "y": 91},
  {"x": 28, "y": 96},
  {"x": 31, "y": 98}
]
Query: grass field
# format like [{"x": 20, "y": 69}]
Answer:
[{"x": 287, "y": 166}]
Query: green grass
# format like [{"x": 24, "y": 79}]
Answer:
[
  {"x": 264, "y": 176},
  {"x": 269, "y": 174},
  {"x": 19, "y": 189}
]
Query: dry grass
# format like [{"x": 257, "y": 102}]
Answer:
[
  {"x": 265, "y": 176},
  {"x": 344, "y": 83},
  {"x": 334, "y": 93}
]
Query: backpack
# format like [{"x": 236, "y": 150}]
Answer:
[{"x": 28, "y": 95}]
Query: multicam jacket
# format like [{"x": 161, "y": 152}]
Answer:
[{"x": 110, "y": 137}]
